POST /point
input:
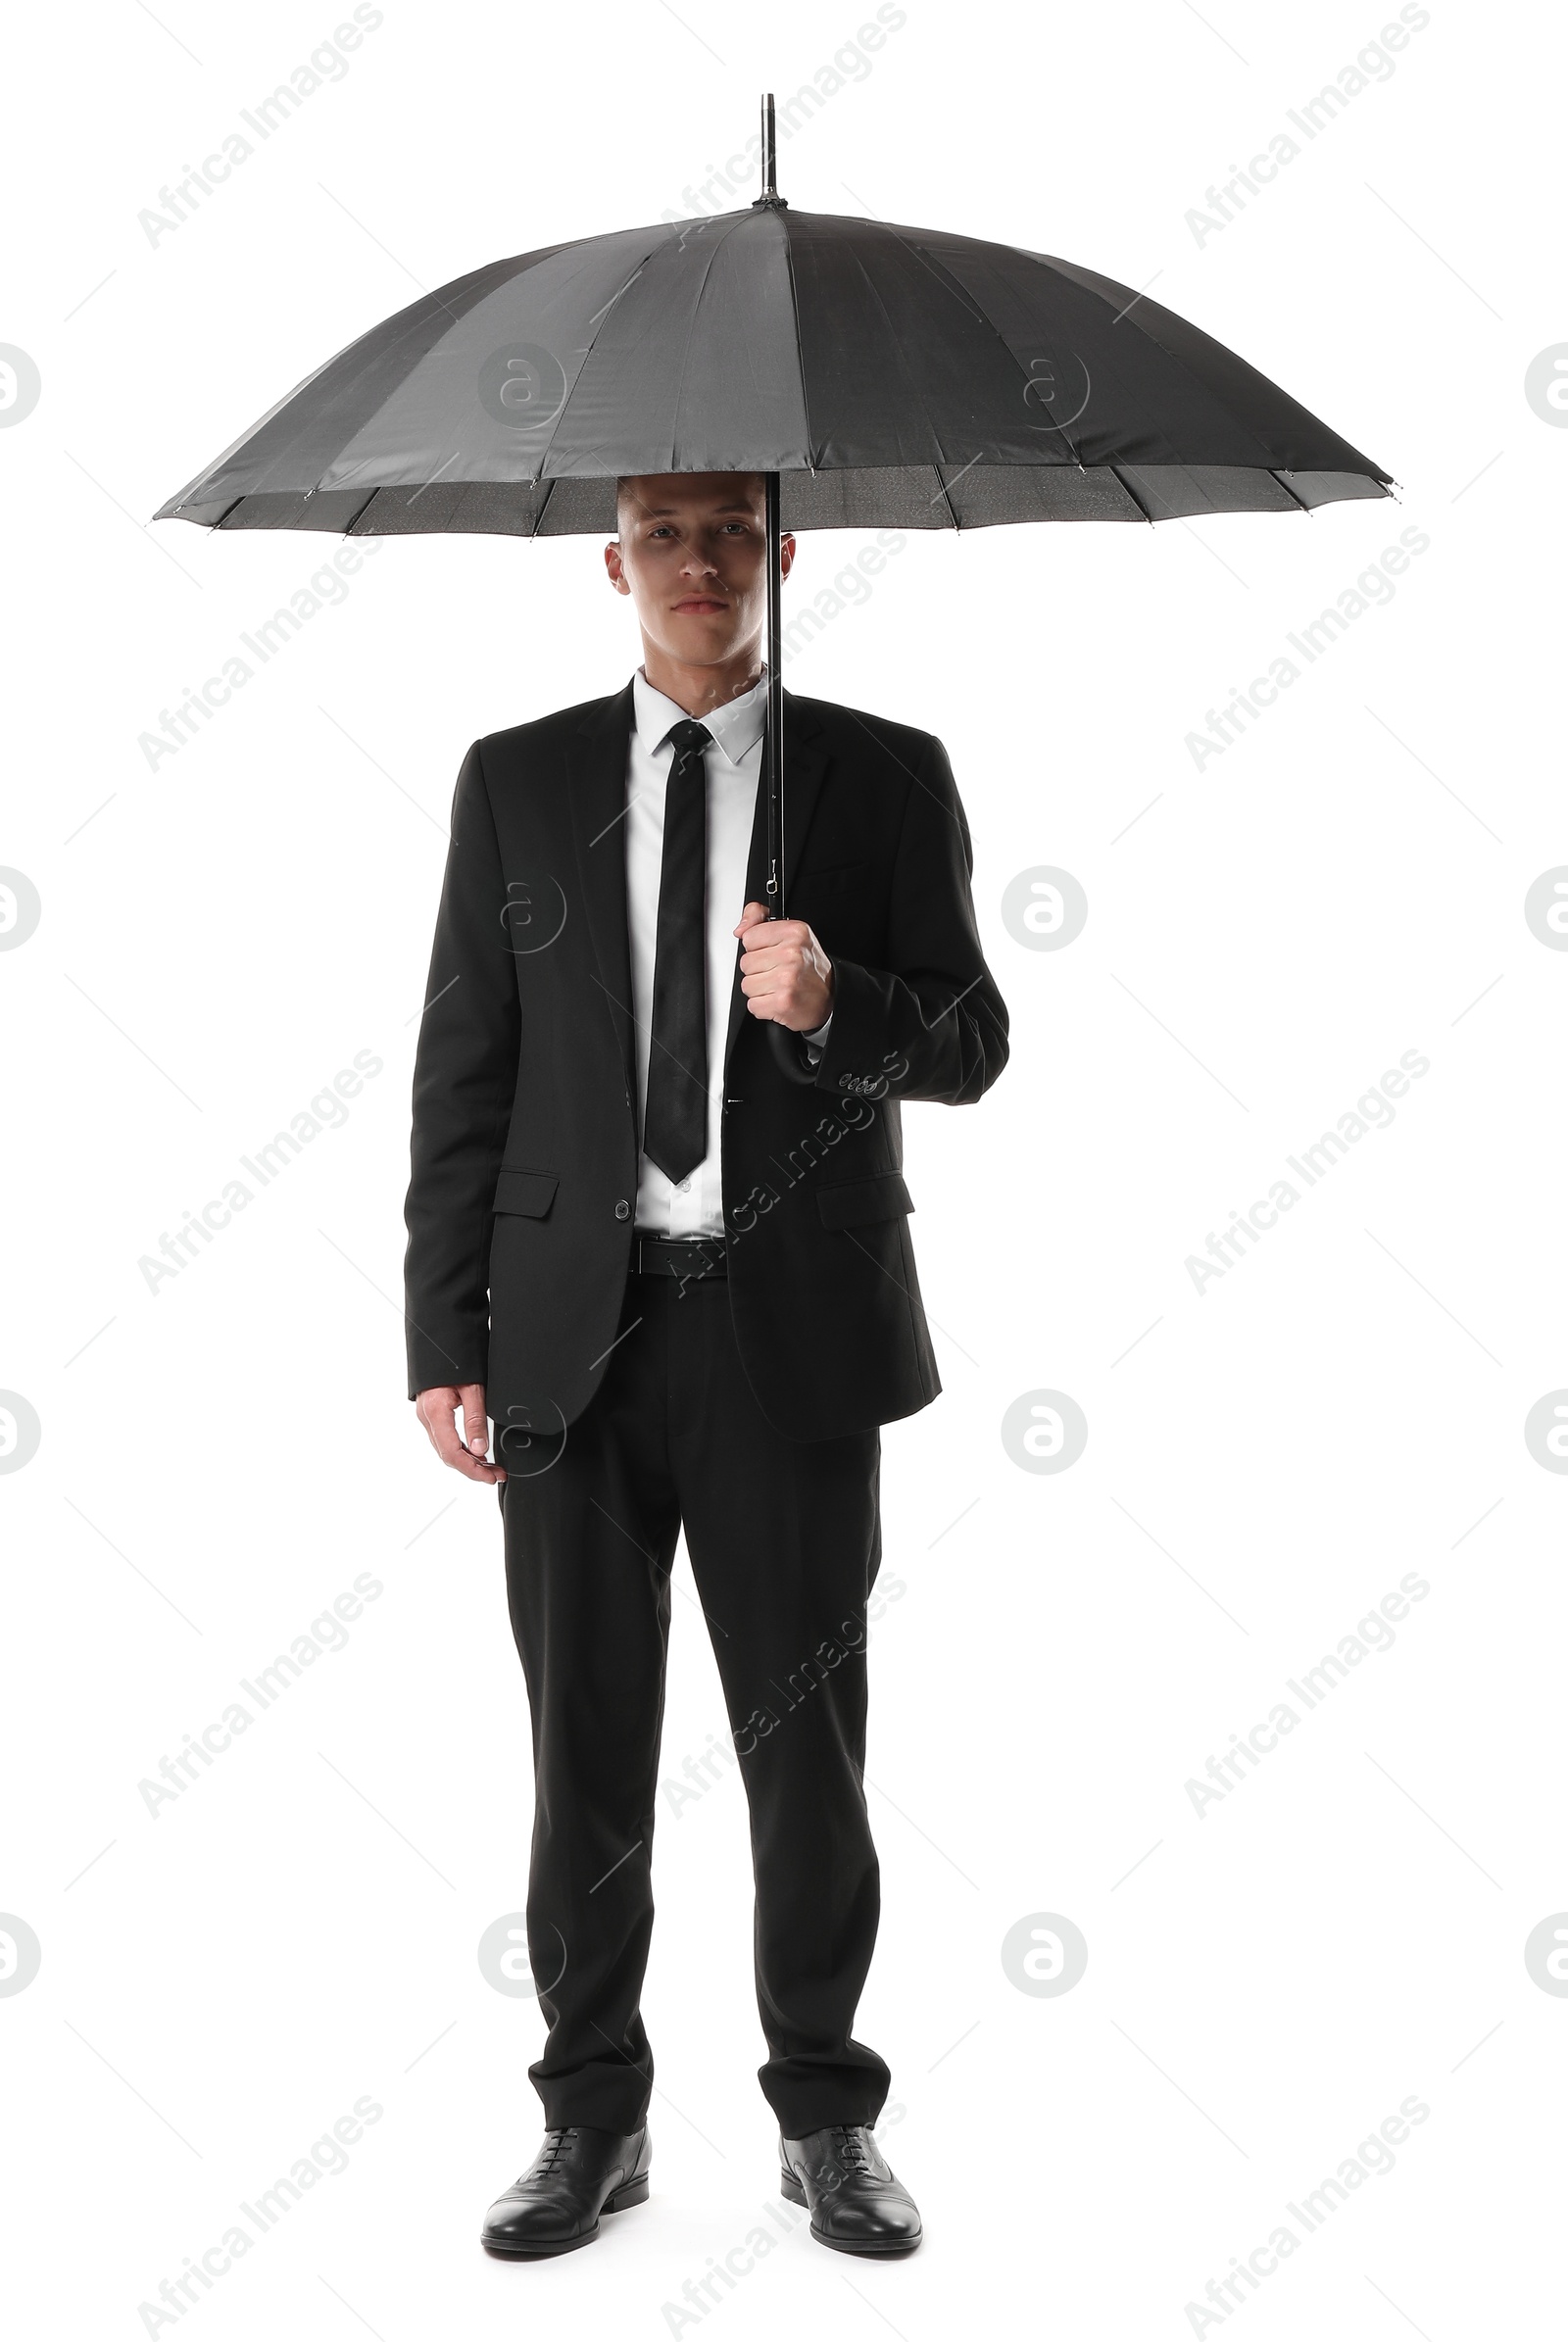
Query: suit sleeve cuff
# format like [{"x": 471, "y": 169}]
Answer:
[
  {"x": 854, "y": 1051},
  {"x": 816, "y": 1041}
]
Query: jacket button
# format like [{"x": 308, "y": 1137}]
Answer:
[{"x": 624, "y": 1209}]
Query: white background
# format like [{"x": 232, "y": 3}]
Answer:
[{"x": 220, "y": 1459}]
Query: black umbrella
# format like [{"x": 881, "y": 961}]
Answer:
[{"x": 877, "y": 377}]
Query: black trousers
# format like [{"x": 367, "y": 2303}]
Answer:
[{"x": 785, "y": 1543}]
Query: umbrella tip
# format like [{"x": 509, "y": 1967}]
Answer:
[{"x": 770, "y": 197}]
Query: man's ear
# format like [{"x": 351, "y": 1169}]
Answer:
[
  {"x": 617, "y": 575},
  {"x": 786, "y": 554}
]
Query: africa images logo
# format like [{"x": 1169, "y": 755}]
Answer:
[{"x": 522, "y": 386}]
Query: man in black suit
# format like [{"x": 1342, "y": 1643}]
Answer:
[{"x": 677, "y": 1276}]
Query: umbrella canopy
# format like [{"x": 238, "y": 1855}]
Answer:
[{"x": 892, "y": 377}]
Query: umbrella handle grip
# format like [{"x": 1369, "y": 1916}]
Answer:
[{"x": 786, "y": 1047}]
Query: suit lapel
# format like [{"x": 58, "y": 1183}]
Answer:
[
  {"x": 806, "y": 761},
  {"x": 597, "y": 760}
]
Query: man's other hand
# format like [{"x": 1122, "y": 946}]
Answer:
[
  {"x": 465, "y": 1451},
  {"x": 785, "y": 974}
]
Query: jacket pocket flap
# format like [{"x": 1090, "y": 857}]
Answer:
[
  {"x": 527, "y": 1192},
  {"x": 852, "y": 1203}
]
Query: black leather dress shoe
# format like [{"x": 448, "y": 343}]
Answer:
[
  {"x": 576, "y": 2174},
  {"x": 857, "y": 2205}
]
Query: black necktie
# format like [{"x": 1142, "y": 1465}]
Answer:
[{"x": 675, "y": 1118}]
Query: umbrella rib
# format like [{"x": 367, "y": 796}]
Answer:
[
  {"x": 1216, "y": 398},
  {"x": 897, "y": 344},
  {"x": 1300, "y": 500},
  {"x": 544, "y": 456},
  {"x": 942, "y": 487},
  {"x": 602, "y": 319},
  {"x": 800, "y": 359},
  {"x": 888, "y": 321},
  {"x": 1128, "y": 489},
  {"x": 707, "y": 269},
  {"x": 599, "y": 327},
  {"x": 1065, "y": 270},
  {"x": 967, "y": 299}
]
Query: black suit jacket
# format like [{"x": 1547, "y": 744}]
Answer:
[{"x": 525, "y": 1141}]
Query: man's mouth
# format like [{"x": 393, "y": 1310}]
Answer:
[{"x": 702, "y": 602}]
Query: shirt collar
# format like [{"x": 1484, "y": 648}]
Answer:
[{"x": 736, "y": 727}]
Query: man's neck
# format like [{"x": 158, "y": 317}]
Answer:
[{"x": 701, "y": 689}]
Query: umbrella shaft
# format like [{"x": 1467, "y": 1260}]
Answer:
[{"x": 773, "y": 727}]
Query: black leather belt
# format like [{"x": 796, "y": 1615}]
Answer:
[{"x": 695, "y": 1257}]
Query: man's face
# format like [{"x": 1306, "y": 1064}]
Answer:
[{"x": 691, "y": 554}]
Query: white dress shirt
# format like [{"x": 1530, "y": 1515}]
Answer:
[{"x": 732, "y": 762}]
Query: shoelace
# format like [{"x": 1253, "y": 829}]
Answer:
[
  {"x": 550, "y": 2153},
  {"x": 851, "y": 2150}
]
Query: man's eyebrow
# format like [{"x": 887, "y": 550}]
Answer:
[{"x": 668, "y": 512}]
